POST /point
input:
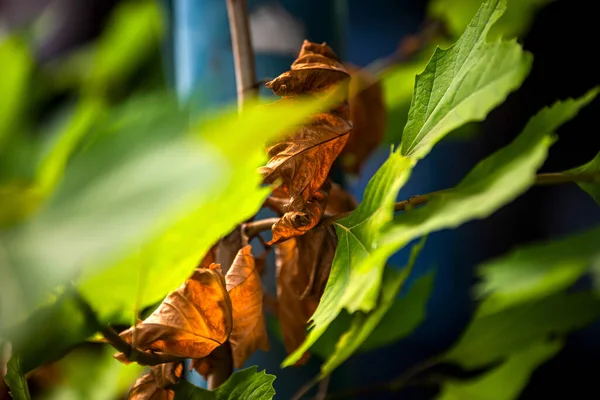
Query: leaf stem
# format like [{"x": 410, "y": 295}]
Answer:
[
  {"x": 252, "y": 229},
  {"x": 243, "y": 54}
]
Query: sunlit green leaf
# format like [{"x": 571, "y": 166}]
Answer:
[
  {"x": 357, "y": 236},
  {"x": 464, "y": 82},
  {"x": 457, "y": 14},
  {"x": 364, "y": 324},
  {"x": 94, "y": 374},
  {"x": 17, "y": 64},
  {"x": 592, "y": 167},
  {"x": 365, "y": 243},
  {"x": 536, "y": 271},
  {"x": 15, "y": 380},
  {"x": 506, "y": 381},
  {"x": 492, "y": 337},
  {"x": 246, "y": 384}
]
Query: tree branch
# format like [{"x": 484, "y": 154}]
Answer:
[
  {"x": 243, "y": 55},
  {"x": 252, "y": 229}
]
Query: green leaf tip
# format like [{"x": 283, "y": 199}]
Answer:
[{"x": 15, "y": 380}]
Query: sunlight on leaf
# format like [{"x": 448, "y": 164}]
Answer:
[
  {"x": 463, "y": 83},
  {"x": 246, "y": 384}
]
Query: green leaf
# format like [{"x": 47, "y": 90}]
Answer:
[
  {"x": 506, "y": 381},
  {"x": 536, "y": 271},
  {"x": 17, "y": 65},
  {"x": 50, "y": 331},
  {"x": 464, "y": 82},
  {"x": 457, "y": 14},
  {"x": 403, "y": 317},
  {"x": 357, "y": 236},
  {"x": 94, "y": 374},
  {"x": 493, "y": 182},
  {"x": 592, "y": 167},
  {"x": 363, "y": 324},
  {"x": 246, "y": 384},
  {"x": 15, "y": 380},
  {"x": 492, "y": 337}
]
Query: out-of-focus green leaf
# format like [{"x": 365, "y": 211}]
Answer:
[
  {"x": 593, "y": 167},
  {"x": 403, "y": 317},
  {"x": 536, "y": 271},
  {"x": 17, "y": 64},
  {"x": 457, "y": 14},
  {"x": 246, "y": 384},
  {"x": 50, "y": 331},
  {"x": 506, "y": 381},
  {"x": 398, "y": 84},
  {"x": 492, "y": 337},
  {"x": 363, "y": 324},
  {"x": 15, "y": 380},
  {"x": 463, "y": 83},
  {"x": 357, "y": 236},
  {"x": 93, "y": 374},
  {"x": 132, "y": 34}
]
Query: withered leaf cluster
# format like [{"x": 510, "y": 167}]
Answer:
[
  {"x": 301, "y": 161},
  {"x": 205, "y": 312}
]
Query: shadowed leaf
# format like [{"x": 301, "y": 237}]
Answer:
[
  {"x": 592, "y": 167},
  {"x": 155, "y": 384},
  {"x": 249, "y": 330}
]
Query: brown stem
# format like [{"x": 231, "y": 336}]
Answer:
[
  {"x": 252, "y": 229},
  {"x": 243, "y": 55},
  {"x": 133, "y": 354},
  {"x": 223, "y": 365}
]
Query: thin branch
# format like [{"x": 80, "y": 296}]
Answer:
[
  {"x": 322, "y": 389},
  {"x": 305, "y": 388},
  {"x": 133, "y": 354},
  {"x": 252, "y": 229},
  {"x": 243, "y": 54}
]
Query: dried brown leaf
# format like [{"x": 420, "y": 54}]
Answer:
[
  {"x": 368, "y": 115},
  {"x": 155, "y": 384},
  {"x": 191, "y": 321},
  {"x": 245, "y": 290},
  {"x": 316, "y": 69},
  {"x": 298, "y": 222},
  {"x": 301, "y": 162},
  {"x": 340, "y": 201},
  {"x": 303, "y": 265}
]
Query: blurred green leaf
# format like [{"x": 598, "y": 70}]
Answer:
[
  {"x": 463, "y": 83},
  {"x": 457, "y": 14},
  {"x": 17, "y": 65},
  {"x": 246, "y": 384},
  {"x": 506, "y": 381},
  {"x": 398, "y": 84},
  {"x": 15, "y": 380},
  {"x": 357, "y": 235},
  {"x": 536, "y": 271},
  {"x": 364, "y": 324},
  {"x": 492, "y": 337},
  {"x": 50, "y": 331},
  {"x": 132, "y": 35},
  {"x": 93, "y": 374},
  {"x": 403, "y": 317},
  {"x": 592, "y": 167}
]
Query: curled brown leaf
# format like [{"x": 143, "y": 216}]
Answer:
[
  {"x": 340, "y": 201},
  {"x": 155, "y": 384},
  {"x": 191, "y": 321},
  {"x": 303, "y": 265},
  {"x": 368, "y": 115},
  {"x": 245, "y": 290},
  {"x": 298, "y": 222}
]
